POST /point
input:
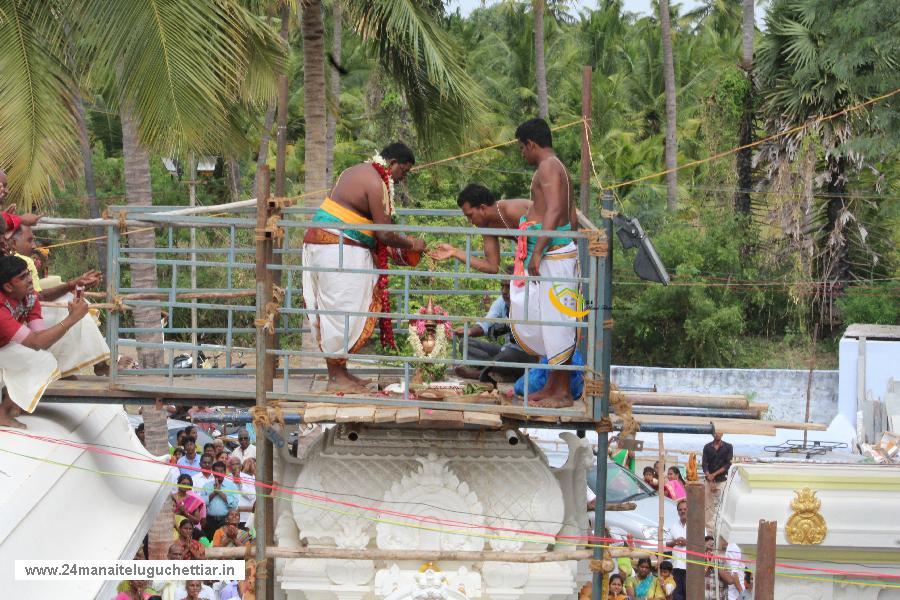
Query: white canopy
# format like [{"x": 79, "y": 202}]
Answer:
[{"x": 65, "y": 509}]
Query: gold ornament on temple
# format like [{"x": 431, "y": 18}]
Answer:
[{"x": 805, "y": 526}]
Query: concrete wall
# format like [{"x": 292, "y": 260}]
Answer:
[{"x": 784, "y": 390}]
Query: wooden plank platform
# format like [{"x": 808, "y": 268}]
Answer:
[{"x": 318, "y": 406}]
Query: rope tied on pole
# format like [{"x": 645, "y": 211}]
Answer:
[
  {"x": 597, "y": 243},
  {"x": 280, "y": 203},
  {"x": 622, "y": 408},
  {"x": 272, "y": 310}
]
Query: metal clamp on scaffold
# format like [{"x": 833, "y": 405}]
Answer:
[
  {"x": 280, "y": 203},
  {"x": 272, "y": 231},
  {"x": 272, "y": 310}
]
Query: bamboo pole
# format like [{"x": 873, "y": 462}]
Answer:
[
  {"x": 662, "y": 495},
  {"x": 422, "y": 556},
  {"x": 585, "y": 189},
  {"x": 696, "y": 528},
  {"x": 764, "y": 577},
  {"x": 685, "y": 400},
  {"x": 264, "y": 510}
]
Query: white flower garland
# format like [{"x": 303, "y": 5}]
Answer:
[
  {"x": 381, "y": 162},
  {"x": 440, "y": 342}
]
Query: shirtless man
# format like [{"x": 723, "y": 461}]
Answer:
[
  {"x": 552, "y": 208},
  {"x": 482, "y": 209},
  {"x": 362, "y": 195}
]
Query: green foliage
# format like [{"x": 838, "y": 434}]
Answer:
[{"x": 872, "y": 304}]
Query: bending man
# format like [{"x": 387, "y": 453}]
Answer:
[{"x": 363, "y": 195}]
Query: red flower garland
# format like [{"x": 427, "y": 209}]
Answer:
[{"x": 381, "y": 286}]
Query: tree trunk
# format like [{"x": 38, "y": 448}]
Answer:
[
  {"x": 281, "y": 132},
  {"x": 337, "y": 31},
  {"x": 314, "y": 101},
  {"x": 540, "y": 68},
  {"x": 138, "y": 193},
  {"x": 264, "y": 138},
  {"x": 90, "y": 188},
  {"x": 669, "y": 78},
  {"x": 234, "y": 177},
  {"x": 744, "y": 158}
]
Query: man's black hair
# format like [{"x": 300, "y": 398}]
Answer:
[
  {"x": 537, "y": 131},
  {"x": 400, "y": 152},
  {"x": 476, "y": 195},
  {"x": 10, "y": 266},
  {"x": 665, "y": 565},
  {"x": 220, "y": 465}
]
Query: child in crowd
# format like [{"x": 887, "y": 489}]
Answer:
[
  {"x": 650, "y": 478},
  {"x": 617, "y": 588},
  {"x": 666, "y": 581}
]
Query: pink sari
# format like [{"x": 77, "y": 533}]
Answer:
[
  {"x": 191, "y": 503},
  {"x": 675, "y": 490}
]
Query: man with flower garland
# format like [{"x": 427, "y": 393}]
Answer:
[{"x": 362, "y": 195}]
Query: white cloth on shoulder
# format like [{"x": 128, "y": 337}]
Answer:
[
  {"x": 337, "y": 290},
  {"x": 555, "y": 342}
]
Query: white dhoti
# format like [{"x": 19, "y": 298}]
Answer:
[
  {"x": 82, "y": 345},
  {"x": 555, "y": 342},
  {"x": 337, "y": 290},
  {"x": 26, "y": 373}
]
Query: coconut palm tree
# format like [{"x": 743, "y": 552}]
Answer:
[
  {"x": 408, "y": 41},
  {"x": 540, "y": 68},
  {"x": 671, "y": 112},
  {"x": 743, "y": 160}
]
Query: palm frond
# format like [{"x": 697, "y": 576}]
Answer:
[
  {"x": 421, "y": 57},
  {"x": 180, "y": 64},
  {"x": 37, "y": 126}
]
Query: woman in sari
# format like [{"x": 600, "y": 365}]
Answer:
[
  {"x": 187, "y": 547},
  {"x": 674, "y": 487},
  {"x": 187, "y": 503},
  {"x": 642, "y": 586}
]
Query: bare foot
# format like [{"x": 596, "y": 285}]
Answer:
[
  {"x": 346, "y": 383},
  {"x": 8, "y": 421},
  {"x": 551, "y": 399},
  {"x": 360, "y": 380}
]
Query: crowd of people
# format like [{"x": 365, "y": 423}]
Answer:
[
  {"x": 213, "y": 506},
  {"x": 725, "y": 574}
]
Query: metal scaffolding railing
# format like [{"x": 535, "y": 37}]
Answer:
[{"x": 225, "y": 274}]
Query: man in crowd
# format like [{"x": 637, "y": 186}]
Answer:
[
  {"x": 482, "y": 349},
  {"x": 552, "y": 209},
  {"x": 678, "y": 541},
  {"x": 221, "y": 496},
  {"x": 363, "y": 195},
  {"x": 230, "y": 535},
  {"x": 203, "y": 476},
  {"x": 483, "y": 210},
  {"x": 247, "y": 484},
  {"x": 190, "y": 458},
  {"x": 83, "y": 345},
  {"x": 717, "y": 457},
  {"x": 26, "y": 365},
  {"x": 245, "y": 449}
]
